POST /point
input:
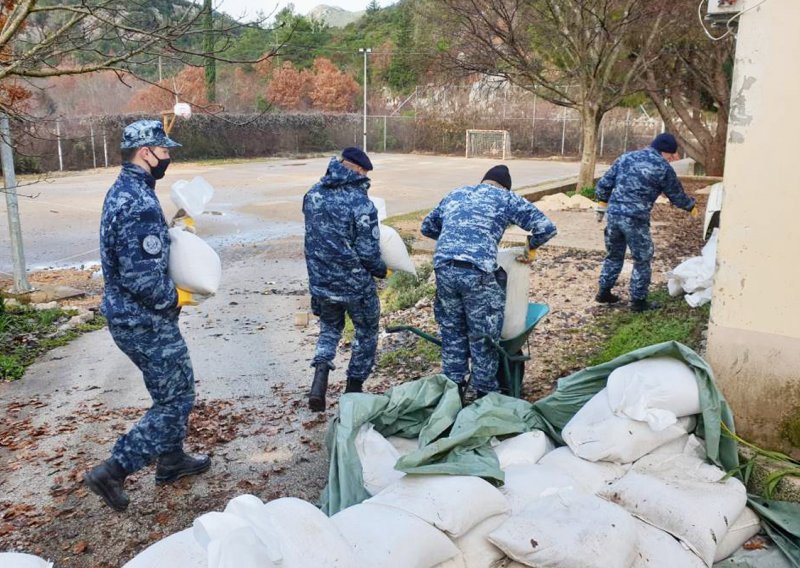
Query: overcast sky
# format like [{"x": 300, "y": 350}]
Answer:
[{"x": 250, "y": 8}]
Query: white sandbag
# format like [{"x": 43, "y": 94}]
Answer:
[
  {"x": 193, "y": 265},
  {"x": 380, "y": 205},
  {"x": 688, "y": 444},
  {"x": 569, "y": 530},
  {"x": 452, "y": 503},
  {"x": 695, "y": 276},
  {"x": 378, "y": 457},
  {"x": 22, "y": 560},
  {"x": 394, "y": 252},
  {"x": 454, "y": 562},
  {"x": 240, "y": 548},
  {"x": 589, "y": 476},
  {"x": 658, "y": 549},
  {"x": 595, "y": 433},
  {"x": 527, "y": 483},
  {"x": 214, "y": 526},
  {"x": 476, "y": 550},
  {"x": 684, "y": 496},
  {"x": 179, "y": 549},
  {"x": 525, "y": 448},
  {"x": 699, "y": 298},
  {"x": 385, "y": 537},
  {"x": 657, "y": 390},
  {"x": 251, "y": 509},
  {"x": 192, "y": 196},
  {"x": 404, "y": 445},
  {"x": 517, "y": 288},
  {"x": 745, "y": 527}
]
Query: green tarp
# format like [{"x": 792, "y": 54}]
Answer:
[{"x": 455, "y": 441}]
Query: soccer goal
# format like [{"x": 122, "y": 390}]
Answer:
[{"x": 488, "y": 144}]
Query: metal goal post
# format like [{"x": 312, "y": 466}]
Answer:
[{"x": 488, "y": 144}]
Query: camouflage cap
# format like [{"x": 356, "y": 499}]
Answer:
[{"x": 146, "y": 133}]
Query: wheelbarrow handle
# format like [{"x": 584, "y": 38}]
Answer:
[{"x": 415, "y": 331}]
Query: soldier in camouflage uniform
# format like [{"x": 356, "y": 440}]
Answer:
[
  {"x": 468, "y": 224},
  {"x": 343, "y": 256},
  {"x": 142, "y": 306},
  {"x": 627, "y": 193}
]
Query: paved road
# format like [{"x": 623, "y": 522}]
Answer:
[{"x": 255, "y": 201}]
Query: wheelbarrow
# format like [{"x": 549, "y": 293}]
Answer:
[{"x": 511, "y": 368}]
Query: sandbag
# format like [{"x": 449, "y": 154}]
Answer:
[
  {"x": 454, "y": 562},
  {"x": 451, "y": 503},
  {"x": 589, "y": 476},
  {"x": 192, "y": 196},
  {"x": 476, "y": 550},
  {"x": 239, "y": 548},
  {"x": 657, "y": 390},
  {"x": 193, "y": 265},
  {"x": 385, "y": 537},
  {"x": 595, "y": 433},
  {"x": 525, "y": 448},
  {"x": 394, "y": 252},
  {"x": 179, "y": 549},
  {"x": 22, "y": 560},
  {"x": 517, "y": 288},
  {"x": 529, "y": 482},
  {"x": 658, "y": 549},
  {"x": 684, "y": 496},
  {"x": 404, "y": 445},
  {"x": 214, "y": 526},
  {"x": 377, "y": 456},
  {"x": 745, "y": 527},
  {"x": 569, "y": 530},
  {"x": 380, "y": 205}
]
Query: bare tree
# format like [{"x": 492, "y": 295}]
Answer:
[
  {"x": 46, "y": 39},
  {"x": 690, "y": 86},
  {"x": 582, "y": 54}
]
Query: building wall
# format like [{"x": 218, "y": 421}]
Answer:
[{"x": 754, "y": 334}]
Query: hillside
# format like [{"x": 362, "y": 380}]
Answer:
[{"x": 333, "y": 16}]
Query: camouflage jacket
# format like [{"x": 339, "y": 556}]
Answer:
[
  {"x": 634, "y": 182},
  {"x": 470, "y": 221},
  {"x": 134, "y": 251},
  {"x": 342, "y": 240}
]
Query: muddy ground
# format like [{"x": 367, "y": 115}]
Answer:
[{"x": 263, "y": 440}]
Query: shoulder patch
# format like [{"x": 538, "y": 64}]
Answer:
[{"x": 151, "y": 244}]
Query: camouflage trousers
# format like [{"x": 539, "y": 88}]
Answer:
[
  {"x": 622, "y": 232},
  {"x": 469, "y": 309},
  {"x": 365, "y": 314},
  {"x": 161, "y": 355}
]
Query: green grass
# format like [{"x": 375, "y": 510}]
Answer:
[
  {"x": 627, "y": 331},
  {"x": 403, "y": 290},
  {"x": 417, "y": 358},
  {"x": 26, "y": 333},
  {"x": 413, "y": 216},
  {"x": 587, "y": 192}
]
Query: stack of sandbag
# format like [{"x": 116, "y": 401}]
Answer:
[
  {"x": 393, "y": 249},
  {"x": 21, "y": 560},
  {"x": 193, "y": 265},
  {"x": 694, "y": 277}
]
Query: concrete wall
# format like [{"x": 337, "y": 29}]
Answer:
[{"x": 754, "y": 335}]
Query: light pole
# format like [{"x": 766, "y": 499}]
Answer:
[{"x": 365, "y": 51}]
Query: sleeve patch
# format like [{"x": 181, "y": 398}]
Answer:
[{"x": 152, "y": 245}]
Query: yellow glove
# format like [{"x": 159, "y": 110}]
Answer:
[
  {"x": 600, "y": 210},
  {"x": 389, "y": 273},
  {"x": 185, "y": 298},
  {"x": 694, "y": 212},
  {"x": 531, "y": 255}
]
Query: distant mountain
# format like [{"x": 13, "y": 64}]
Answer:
[{"x": 333, "y": 16}]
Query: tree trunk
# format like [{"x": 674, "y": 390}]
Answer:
[
  {"x": 715, "y": 153},
  {"x": 590, "y": 125}
]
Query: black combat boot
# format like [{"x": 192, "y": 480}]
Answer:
[
  {"x": 107, "y": 480},
  {"x": 174, "y": 465},
  {"x": 316, "y": 398},
  {"x": 604, "y": 296},
  {"x": 643, "y": 305},
  {"x": 354, "y": 386}
]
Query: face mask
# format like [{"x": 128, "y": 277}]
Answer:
[{"x": 160, "y": 168}]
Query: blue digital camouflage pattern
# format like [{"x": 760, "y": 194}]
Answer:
[
  {"x": 621, "y": 232},
  {"x": 630, "y": 188},
  {"x": 634, "y": 182},
  {"x": 162, "y": 356},
  {"x": 365, "y": 314},
  {"x": 469, "y": 309},
  {"x": 146, "y": 133},
  {"x": 134, "y": 253},
  {"x": 468, "y": 225},
  {"x": 469, "y": 222},
  {"x": 342, "y": 238}
]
